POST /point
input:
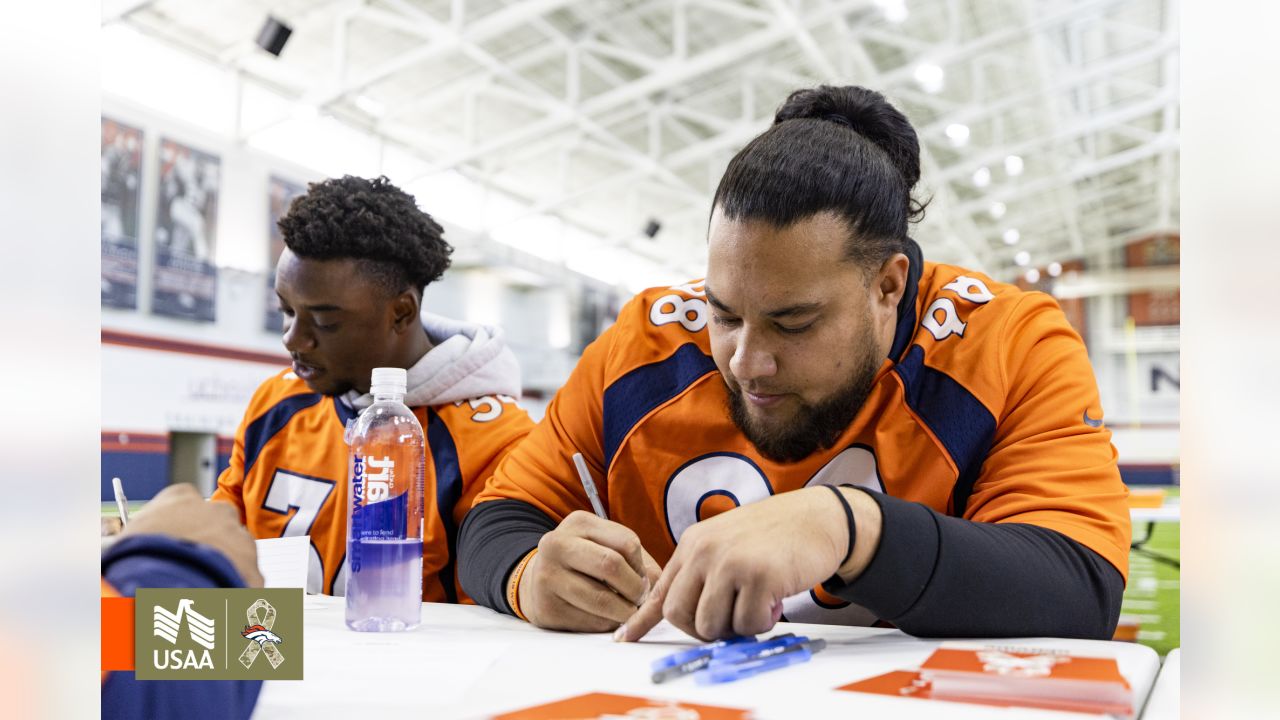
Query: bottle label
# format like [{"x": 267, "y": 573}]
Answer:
[
  {"x": 372, "y": 518},
  {"x": 382, "y": 473}
]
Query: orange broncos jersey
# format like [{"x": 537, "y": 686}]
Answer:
[
  {"x": 288, "y": 475},
  {"x": 986, "y": 409}
]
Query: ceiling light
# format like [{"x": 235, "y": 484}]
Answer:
[
  {"x": 370, "y": 106},
  {"x": 1033, "y": 276},
  {"x": 1012, "y": 236},
  {"x": 1023, "y": 258},
  {"x": 996, "y": 211},
  {"x": 895, "y": 11},
  {"x": 959, "y": 134},
  {"x": 1013, "y": 165},
  {"x": 982, "y": 176},
  {"x": 305, "y": 111},
  {"x": 1055, "y": 269},
  {"x": 930, "y": 76}
]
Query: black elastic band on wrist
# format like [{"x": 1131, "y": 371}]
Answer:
[{"x": 848, "y": 514}]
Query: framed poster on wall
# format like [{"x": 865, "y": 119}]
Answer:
[
  {"x": 280, "y": 193},
  {"x": 1155, "y": 307},
  {"x": 121, "y": 190},
  {"x": 186, "y": 278}
]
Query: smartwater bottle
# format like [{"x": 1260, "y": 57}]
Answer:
[{"x": 384, "y": 516}]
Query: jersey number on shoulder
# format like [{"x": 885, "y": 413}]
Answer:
[
  {"x": 942, "y": 319},
  {"x": 486, "y": 407},
  {"x": 691, "y": 313},
  {"x": 306, "y": 494},
  {"x": 739, "y": 481}
]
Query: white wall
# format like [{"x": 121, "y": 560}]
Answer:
[{"x": 156, "y": 392}]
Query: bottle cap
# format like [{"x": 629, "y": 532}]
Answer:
[{"x": 389, "y": 381}]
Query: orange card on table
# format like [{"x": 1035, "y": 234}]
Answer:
[
  {"x": 1010, "y": 677},
  {"x": 605, "y": 706}
]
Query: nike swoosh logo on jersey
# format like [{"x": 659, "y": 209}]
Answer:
[{"x": 1090, "y": 421}]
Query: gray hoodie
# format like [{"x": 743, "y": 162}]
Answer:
[{"x": 467, "y": 360}]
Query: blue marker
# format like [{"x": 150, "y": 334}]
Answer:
[
  {"x": 780, "y": 657},
  {"x": 691, "y": 660}
]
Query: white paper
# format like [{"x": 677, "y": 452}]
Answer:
[{"x": 283, "y": 561}]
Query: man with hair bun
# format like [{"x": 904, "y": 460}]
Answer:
[
  {"x": 826, "y": 429},
  {"x": 358, "y": 256}
]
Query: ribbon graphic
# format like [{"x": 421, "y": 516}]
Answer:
[{"x": 263, "y": 640}]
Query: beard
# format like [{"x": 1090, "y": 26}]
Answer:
[{"x": 815, "y": 426}]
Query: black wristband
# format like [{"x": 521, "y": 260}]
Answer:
[{"x": 848, "y": 514}]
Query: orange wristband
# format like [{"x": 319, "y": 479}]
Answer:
[{"x": 513, "y": 585}]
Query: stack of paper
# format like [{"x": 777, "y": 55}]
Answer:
[{"x": 994, "y": 674}]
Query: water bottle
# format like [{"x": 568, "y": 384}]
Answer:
[{"x": 384, "y": 515}]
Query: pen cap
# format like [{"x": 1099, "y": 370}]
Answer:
[{"x": 389, "y": 381}]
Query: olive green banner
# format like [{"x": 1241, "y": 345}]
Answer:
[{"x": 218, "y": 634}]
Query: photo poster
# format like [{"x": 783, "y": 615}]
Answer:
[
  {"x": 121, "y": 191},
  {"x": 281, "y": 193},
  {"x": 1155, "y": 307},
  {"x": 186, "y": 278},
  {"x": 597, "y": 309}
]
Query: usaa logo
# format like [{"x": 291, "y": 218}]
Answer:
[
  {"x": 218, "y": 634},
  {"x": 201, "y": 632}
]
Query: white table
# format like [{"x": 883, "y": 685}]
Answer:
[
  {"x": 1165, "y": 701},
  {"x": 470, "y": 662}
]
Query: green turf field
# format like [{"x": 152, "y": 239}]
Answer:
[{"x": 1152, "y": 595}]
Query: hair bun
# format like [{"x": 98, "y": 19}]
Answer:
[{"x": 865, "y": 112}]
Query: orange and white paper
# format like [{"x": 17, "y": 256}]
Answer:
[
  {"x": 604, "y": 706},
  {"x": 1010, "y": 677}
]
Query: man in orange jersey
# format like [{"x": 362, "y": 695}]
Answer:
[
  {"x": 358, "y": 255},
  {"x": 828, "y": 429}
]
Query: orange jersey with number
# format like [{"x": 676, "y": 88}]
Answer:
[
  {"x": 987, "y": 409},
  {"x": 289, "y": 475}
]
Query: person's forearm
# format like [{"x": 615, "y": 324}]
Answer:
[
  {"x": 158, "y": 561},
  {"x": 939, "y": 576},
  {"x": 494, "y": 537},
  {"x": 161, "y": 561}
]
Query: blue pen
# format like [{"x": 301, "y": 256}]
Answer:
[
  {"x": 750, "y": 651},
  {"x": 691, "y": 660},
  {"x": 787, "y": 655}
]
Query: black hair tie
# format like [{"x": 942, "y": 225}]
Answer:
[
  {"x": 848, "y": 514},
  {"x": 839, "y": 120}
]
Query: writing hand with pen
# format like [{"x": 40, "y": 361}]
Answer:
[
  {"x": 729, "y": 573},
  {"x": 589, "y": 574}
]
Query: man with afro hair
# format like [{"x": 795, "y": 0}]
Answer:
[{"x": 358, "y": 255}]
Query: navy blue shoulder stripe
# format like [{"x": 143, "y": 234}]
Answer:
[
  {"x": 960, "y": 421},
  {"x": 633, "y": 395},
  {"x": 345, "y": 412},
  {"x": 444, "y": 456},
  {"x": 260, "y": 431},
  {"x": 906, "y": 326}
]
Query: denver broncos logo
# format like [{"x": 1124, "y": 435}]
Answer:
[{"x": 260, "y": 635}]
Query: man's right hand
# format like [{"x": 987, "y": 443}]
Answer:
[
  {"x": 589, "y": 575},
  {"x": 179, "y": 512}
]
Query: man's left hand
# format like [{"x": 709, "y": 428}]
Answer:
[{"x": 729, "y": 573}]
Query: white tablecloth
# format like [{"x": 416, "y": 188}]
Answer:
[
  {"x": 1165, "y": 702},
  {"x": 470, "y": 662}
]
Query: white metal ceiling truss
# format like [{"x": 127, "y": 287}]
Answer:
[{"x": 609, "y": 112}]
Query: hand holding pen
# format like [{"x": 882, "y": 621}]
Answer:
[{"x": 589, "y": 574}]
